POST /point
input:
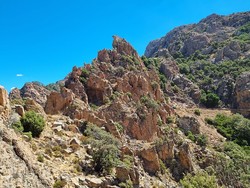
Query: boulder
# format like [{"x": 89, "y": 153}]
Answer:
[
  {"x": 19, "y": 109},
  {"x": 188, "y": 123}
]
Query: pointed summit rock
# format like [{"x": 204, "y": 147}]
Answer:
[{"x": 123, "y": 47}]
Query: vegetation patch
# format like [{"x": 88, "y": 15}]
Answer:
[{"x": 106, "y": 153}]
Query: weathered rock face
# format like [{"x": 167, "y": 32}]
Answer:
[
  {"x": 19, "y": 109},
  {"x": 230, "y": 52},
  {"x": 4, "y": 100},
  {"x": 203, "y": 36},
  {"x": 150, "y": 160},
  {"x": 188, "y": 87},
  {"x": 123, "y": 47},
  {"x": 225, "y": 90},
  {"x": 19, "y": 167},
  {"x": 169, "y": 68},
  {"x": 194, "y": 43},
  {"x": 15, "y": 94},
  {"x": 33, "y": 90},
  {"x": 57, "y": 102},
  {"x": 4, "y": 104},
  {"x": 191, "y": 124},
  {"x": 32, "y": 105},
  {"x": 185, "y": 157},
  {"x": 98, "y": 89},
  {"x": 74, "y": 84},
  {"x": 242, "y": 93},
  {"x": 166, "y": 151}
]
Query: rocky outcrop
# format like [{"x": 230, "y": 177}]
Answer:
[
  {"x": 73, "y": 82},
  {"x": 121, "y": 46},
  {"x": 32, "y": 90},
  {"x": 225, "y": 90},
  {"x": 203, "y": 37},
  {"x": 98, "y": 89},
  {"x": 35, "y": 91},
  {"x": 188, "y": 87},
  {"x": 150, "y": 160},
  {"x": 57, "y": 102},
  {"x": 166, "y": 151},
  {"x": 188, "y": 123},
  {"x": 4, "y": 104},
  {"x": 185, "y": 158},
  {"x": 32, "y": 105},
  {"x": 242, "y": 93},
  {"x": 19, "y": 109},
  {"x": 169, "y": 68},
  {"x": 15, "y": 94},
  {"x": 4, "y": 99}
]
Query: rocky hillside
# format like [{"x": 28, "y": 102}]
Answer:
[
  {"x": 126, "y": 121},
  {"x": 213, "y": 54}
]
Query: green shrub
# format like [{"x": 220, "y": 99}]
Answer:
[
  {"x": 210, "y": 100},
  {"x": 149, "y": 103},
  {"x": 40, "y": 158},
  {"x": 17, "y": 126},
  {"x": 197, "y": 112},
  {"x": 191, "y": 136},
  {"x": 235, "y": 128},
  {"x": 170, "y": 119},
  {"x": 176, "y": 89},
  {"x": 106, "y": 153},
  {"x": 59, "y": 184},
  {"x": 209, "y": 121},
  {"x": 154, "y": 85},
  {"x": 201, "y": 140},
  {"x": 33, "y": 122},
  {"x": 119, "y": 127},
  {"x": 28, "y": 134},
  {"x": 233, "y": 169},
  {"x": 127, "y": 184},
  {"x": 199, "y": 180}
]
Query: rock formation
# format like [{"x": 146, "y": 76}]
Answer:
[
  {"x": 242, "y": 90},
  {"x": 126, "y": 120}
]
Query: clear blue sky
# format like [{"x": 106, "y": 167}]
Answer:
[{"x": 41, "y": 40}]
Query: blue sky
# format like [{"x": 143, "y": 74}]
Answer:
[{"x": 41, "y": 40}]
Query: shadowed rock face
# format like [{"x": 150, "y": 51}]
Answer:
[{"x": 242, "y": 90}]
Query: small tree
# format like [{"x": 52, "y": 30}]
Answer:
[{"x": 33, "y": 122}]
